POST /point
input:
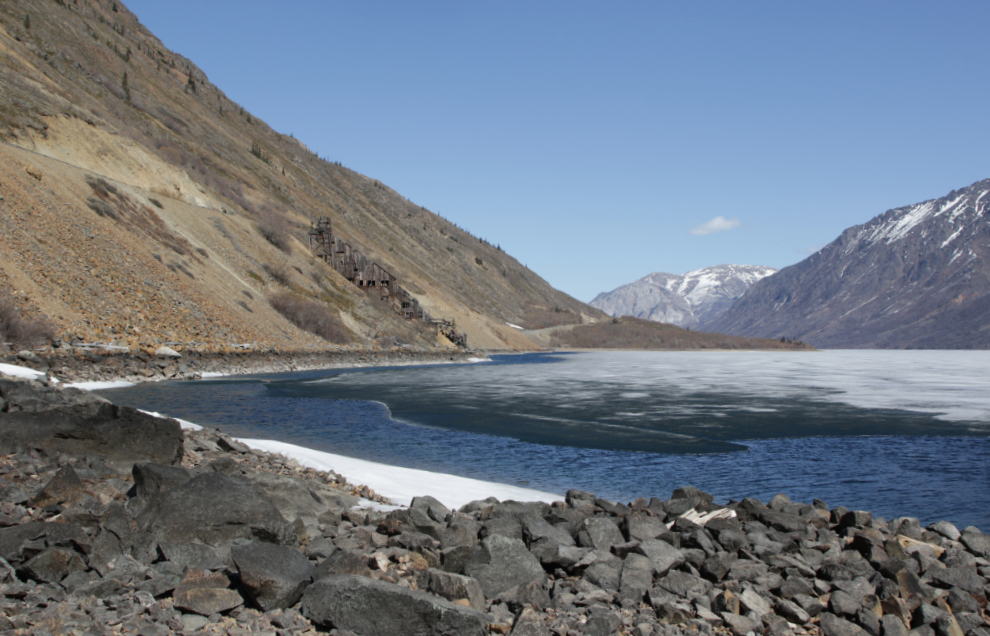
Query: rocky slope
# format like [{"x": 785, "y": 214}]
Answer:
[
  {"x": 139, "y": 205},
  {"x": 689, "y": 300},
  {"x": 206, "y": 535},
  {"x": 913, "y": 277}
]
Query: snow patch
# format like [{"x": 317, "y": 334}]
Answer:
[
  {"x": 183, "y": 423},
  {"x": 16, "y": 371},
  {"x": 96, "y": 386},
  {"x": 952, "y": 238},
  {"x": 402, "y": 484},
  {"x": 515, "y": 326}
]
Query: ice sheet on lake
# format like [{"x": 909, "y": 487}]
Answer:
[{"x": 952, "y": 385}]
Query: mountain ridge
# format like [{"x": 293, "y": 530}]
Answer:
[
  {"x": 686, "y": 300},
  {"x": 917, "y": 276}
]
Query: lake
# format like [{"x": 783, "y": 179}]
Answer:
[{"x": 900, "y": 433}]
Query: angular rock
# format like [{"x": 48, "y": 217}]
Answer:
[
  {"x": 195, "y": 555},
  {"x": 842, "y": 604},
  {"x": 206, "y": 594},
  {"x": 948, "y": 626},
  {"x": 375, "y": 608},
  {"x": 663, "y": 555},
  {"x": 292, "y": 497},
  {"x": 832, "y": 625},
  {"x": 577, "y": 498},
  {"x": 121, "y": 434},
  {"x": 214, "y": 509},
  {"x": 961, "y": 577},
  {"x": 529, "y": 623},
  {"x": 53, "y": 565},
  {"x": 460, "y": 531},
  {"x": 976, "y": 542},
  {"x": 946, "y": 529},
  {"x": 601, "y": 623},
  {"x": 641, "y": 527},
  {"x": 499, "y": 563},
  {"x": 717, "y": 566},
  {"x": 208, "y": 601},
  {"x": 755, "y": 603},
  {"x": 684, "y": 585},
  {"x": 273, "y": 576},
  {"x": 891, "y": 625},
  {"x": 740, "y": 625},
  {"x": 520, "y": 596},
  {"x": 343, "y": 562},
  {"x": 437, "y": 511},
  {"x": 791, "y": 611},
  {"x": 599, "y": 533},
  {"x": 151, "y": 478},
  {"x": 637, "y": 576},
  {"x": 605, "y": 572},
  {"x": 455, "y": 587},
  {"x": 64, "y": 488}
]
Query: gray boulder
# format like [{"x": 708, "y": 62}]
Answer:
[
  {"x": 832, "y": 625},
  {"x": 151, "y": 478},
  {"x": 600, "y": 533},
  {"x": 214, "y": 509},
  {"x": 376, "y": 608},
  {"x": 191, "y": 554},
  {"x": 499, "y": 563},
  {"x": 663, "y": 555},
  {"x": 273, "y": 576},
  {"x": 454, "y": 587},
  {"x": 81, "y": 427}
]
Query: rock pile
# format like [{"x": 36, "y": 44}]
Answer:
[{"x": 226, "y": 539}]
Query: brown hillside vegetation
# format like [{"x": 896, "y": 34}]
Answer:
[
  {"x": 636, "y": 333},
  {"x": 140, "y": 205}
]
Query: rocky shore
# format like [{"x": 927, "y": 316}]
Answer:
[
  {"x": 117, "y": 522},
  {"x": 93, "y": 364}
]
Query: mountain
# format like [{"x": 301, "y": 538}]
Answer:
[
  {"x": 140, "y": 205},
  {"x": 689, "y": 301},
  {"x": 913, "y": 277}
]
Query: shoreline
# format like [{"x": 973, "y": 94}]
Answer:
[
  {"x": 92, "y": 366},
  {"x": 159, "y": 530},
  {"x": 399, "y": 485}
]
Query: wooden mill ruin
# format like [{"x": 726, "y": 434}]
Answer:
[{"x": 370, "y": 276}]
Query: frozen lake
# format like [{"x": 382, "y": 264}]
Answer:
[{"x": 895, "y": 432}]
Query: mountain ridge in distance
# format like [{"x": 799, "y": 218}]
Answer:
[
  {"x": 916, "y": 276},
  {"x": 689, "y": 300}
]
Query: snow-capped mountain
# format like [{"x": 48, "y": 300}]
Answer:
[
  {"x": 689, "y": 300},
  {"x": 913, "y": 277}
]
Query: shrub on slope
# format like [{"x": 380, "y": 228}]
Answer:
[{"x": 310, "y": 316}]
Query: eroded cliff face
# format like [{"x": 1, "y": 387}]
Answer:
[
  {"x": 913, "y": 277},
  {"x": 200, "y": 211}
]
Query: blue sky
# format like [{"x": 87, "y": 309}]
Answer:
[{"x": 599, "y": 142}]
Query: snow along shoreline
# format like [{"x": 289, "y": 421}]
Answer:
[{"x": 398, "y": 484}]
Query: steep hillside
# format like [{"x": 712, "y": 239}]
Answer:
[
  {"x": 690, "y": 300},
  {"x": 141, "y": 205},
  {"x": 913, "y": 277}
]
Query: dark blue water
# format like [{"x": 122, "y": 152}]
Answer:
[{"x": 625, "y": 426}]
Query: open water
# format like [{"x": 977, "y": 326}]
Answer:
[{"x": 900, "y": 433}]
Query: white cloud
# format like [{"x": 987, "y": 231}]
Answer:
[
  {"x": 718, "y": 224},
  {"x": 810, "y": 250}
]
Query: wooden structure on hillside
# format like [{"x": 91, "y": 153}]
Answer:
[{"x": 368, "y": 275}]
